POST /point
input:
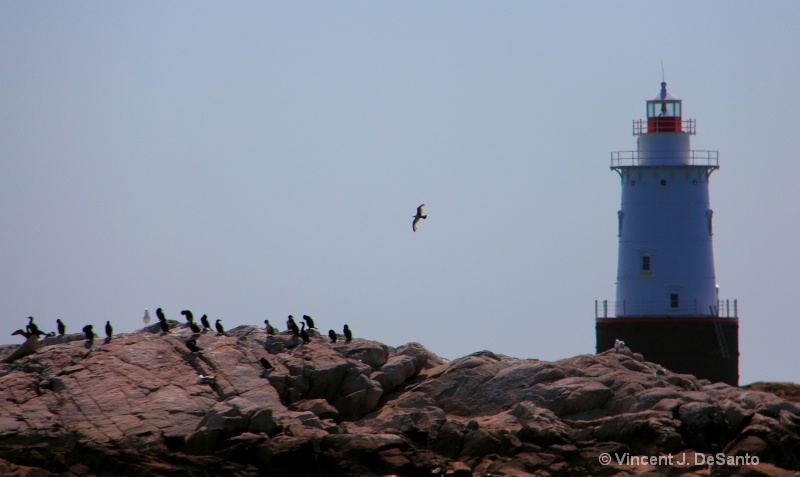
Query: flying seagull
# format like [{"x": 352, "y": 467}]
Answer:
[{"x": 417, "y": 217}]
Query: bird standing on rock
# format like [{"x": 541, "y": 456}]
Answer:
[
  {"x": 220, "y": 329},
  {"x": 160, "y": 314},
  {"x": 33, "y": 329},
  {"x": 304, "y": 334},
  {"x": 192, "y": 345},
  {"x": 88, "y": 332},
  {"x": 418, "y": 217},
  {"x": 266, "y": 364},
  {"x": 109, "y": 330},
  {"x": 188, "y": 314},
  {"x": 204, "y": 321},
  {"x": 164, "y": 326},
  {"x": 270, "y": 329},
  {"x": 146, "y": 317},
  {"x": 618, "y": 345},
  {"x": 292, "y": 326},
  {"x": 22, "y": 332},
  {"x": 309, "y": 321},
  {"x": 348, "y": 335},
  {"x": 61, "y": 328},
  {"x": 332, "y": 336},
  {"x": 194, "y": 327}
]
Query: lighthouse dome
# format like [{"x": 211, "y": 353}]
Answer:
[{"x": 664, "y": 95}]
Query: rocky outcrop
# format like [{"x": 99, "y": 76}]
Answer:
[{"x": 136, "y": 405}]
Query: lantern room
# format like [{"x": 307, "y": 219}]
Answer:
[{"x": 664, "y": 112}]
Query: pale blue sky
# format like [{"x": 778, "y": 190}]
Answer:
[{"x": 255, "y": 159}]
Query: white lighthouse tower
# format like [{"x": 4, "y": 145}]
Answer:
[{"x": 667, "y": 296}]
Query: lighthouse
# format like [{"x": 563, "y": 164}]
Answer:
[{"x": 667, "y": 303}]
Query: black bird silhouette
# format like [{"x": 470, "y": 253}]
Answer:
[
  {"x": 194, "y": 327},
  {"x": 204, "y": 321},
  {"x": 304, "y": 334},
  {"x": 109, "y": 330},
  {"x": 418, "y": 217},
  {"x": 270, "y": 329},
  {"x": 348, "y": 335},
  {"x": 164, "y": 326},
  {"x": 88, "y": 332},
  {"x": 22, "y": 332},
  {"x": 33, "y": 329},
  {"x": 188, "y": 314},
  {"x": 220, "y": 329},
  {"x": 160, "y": 314},
  {"x": 61, "y": 328},
  {"x": 332, "y": 335},
  {"x": 309, "y": 321},
  {"x": 267, "y": 365},
  {"x": 291, "y": 325},
  {"x": 192, "y": 345}
]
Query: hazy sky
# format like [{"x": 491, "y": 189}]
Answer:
[{"x": 251, "y": 160}]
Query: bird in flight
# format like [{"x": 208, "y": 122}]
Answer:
[{"x": 418, "y": 217}]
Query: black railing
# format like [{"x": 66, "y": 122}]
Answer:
[
  {"x": 640, "y": 126},
  {"x": 611, "y": 309},
  {"x": 635, "y": 158}
]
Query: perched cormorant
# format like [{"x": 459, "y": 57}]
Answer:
[
  {"x": 309, "y": 321},
  {"x": 270, "y": 329},
  {"x": 188, "y": 314},
  {"x": 194, "y": 327},
  {"x": 267, "y": 365},
  {"x": 348, "y": 335},
  {"x": 418, "y": 217},
  {"x": 192, "y": 345},
  {"x": 660, "y": 371},
  {"x": 332, "y": 335},
  {"x": 304, "y": 334},
  {"x": 160, "y": 314},
  {"x": 87, "y": 331},
  {"x": 220, "y": 329},
  {"x": 22, "y": 332},
  {"x": 204, "y": 322},
  {"x": 109, "y": 330},
  {"x": 164, "y": 326},
  {"x": 33, "y": 329},
  {"x": 292, "y": 326},
  {"x": 61, "y": 328},
  {"x": 146, "y": 317}
]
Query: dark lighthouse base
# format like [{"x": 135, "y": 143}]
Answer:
[{"x": 703, "y": 346}]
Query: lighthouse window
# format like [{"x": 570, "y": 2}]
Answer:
[
  {"x": 673, "y": 300},
  {"x": 646, "y": 263}
]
